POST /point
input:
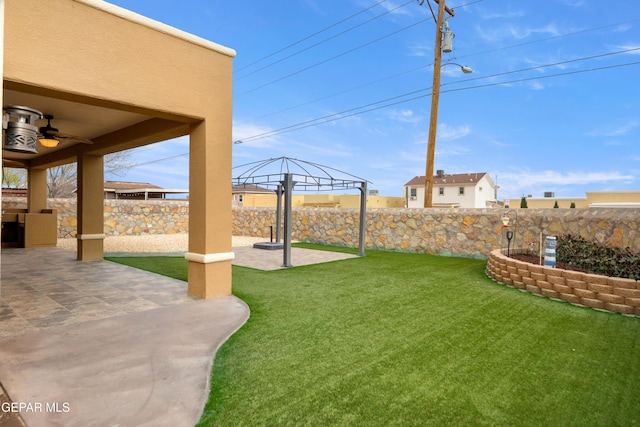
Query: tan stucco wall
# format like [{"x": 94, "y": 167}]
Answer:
[
  {"x": 94, "y": 53},
  {"x": 581, "y": 202},
  {"x": 86, "y": 51},
  {"x": 339, "y": 200}
]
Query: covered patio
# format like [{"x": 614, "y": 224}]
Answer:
[{"x": 114, "y": 80}]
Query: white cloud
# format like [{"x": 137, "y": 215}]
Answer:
[
  {"x": 633, "y": 48},
  {"x": 621, "y": 130},
  {"x": 536, "y": 85},
  {"x": 421, "y": 50},
  {"x": 404, "y": 116},
  {"x": 498, "y": 34},
  {"x": 449, "y": 133},
  {"x": 244, "y": 131},
  {"x": 573, "y": 3},
  {"x": 508, "y": 14},
  {"x": 396, "y": 8}
]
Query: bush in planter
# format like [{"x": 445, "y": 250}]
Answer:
[
  {"x": 614, "y": 262},
  {"x": 523, "y": 203}
]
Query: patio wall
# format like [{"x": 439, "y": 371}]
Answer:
[
  {"x": 460, "y": 232},
  {"x": 121, "y": 217}
]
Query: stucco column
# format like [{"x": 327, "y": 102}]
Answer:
[
  {"x": 90, "y": 233},
  {"x": 37, "y": 190},
  {"x": 210, "y": 253}
]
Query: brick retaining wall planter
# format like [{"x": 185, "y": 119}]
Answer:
[{"x": 588, "y": 290}]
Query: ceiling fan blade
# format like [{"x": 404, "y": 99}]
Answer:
[{"x": 71, "y": 137}]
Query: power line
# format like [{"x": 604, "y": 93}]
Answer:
[
  {"x": 550, "y": 38},
  {"x": 344, "y": 91},
  {"x": 287, "y": 129},
  {"x": 353, "y": 111},
  {"x": 310, "y": 36},
  {"x": 332, "y": 58},
  {"x": 325, "y": 40},
  {"x": 343, "y": 115},
  {"x": 465, "y": 56}
]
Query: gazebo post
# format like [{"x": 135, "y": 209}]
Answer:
[
  {"x": 363, "y": 218},
  {"x": 279, "y": 213},
  {"x": 288, "y": 191}
]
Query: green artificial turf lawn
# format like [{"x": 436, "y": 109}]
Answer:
[{"x": 410, "y": 339}]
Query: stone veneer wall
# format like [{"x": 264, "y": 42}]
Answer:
[
  {"x": 121, "y": 217},
  {"x": 590, "y": 290},
  {"x": 459, "y": 232}
]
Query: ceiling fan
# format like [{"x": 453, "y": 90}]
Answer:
[{"x": 51, "y": 136}]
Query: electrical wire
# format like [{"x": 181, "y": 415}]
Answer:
[
  {"x": 331, "y": 58},
  {"x": 310, "y": 36},
  {"x": 464, "y": 56},
  {"x": 555, "y": 64},
  {"x": 343, "y": 114},
  {"x": 324, "y": 40},
  {"x": 353, "y": 111}
]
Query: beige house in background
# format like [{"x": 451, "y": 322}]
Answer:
[
  {"x": 123, "y": 81},
  {"x": 269, "y": 199},
  {"x": 593, "y": 199},
  {"x": 140, "y": 191},
  {"x": 458, "y": 190}
]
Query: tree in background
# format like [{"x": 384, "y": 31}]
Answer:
[
  {"x": 523, "y": 203},
  {"x": 555, "y": 205},
  {"x": 13, "y": 178},
  {"x": 572, "y": 205},
  {"x": 63, "y": 180}
]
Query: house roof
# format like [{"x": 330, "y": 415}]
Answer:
[
  {"x": 449, "y": 179},
  {"x": 124, "y": 185},
  {"x": 250, "y": 188}
]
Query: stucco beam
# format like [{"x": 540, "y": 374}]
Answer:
[
  {"x": 49, "y": 92},
  {"x": 137, "y": 135}
]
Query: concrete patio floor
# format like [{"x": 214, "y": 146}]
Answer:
[
  {"x": 98, "y": 343},
  {"x": 105, "y": 344}
]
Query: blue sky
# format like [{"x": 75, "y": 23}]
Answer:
[{"x": 553, "y": 103}]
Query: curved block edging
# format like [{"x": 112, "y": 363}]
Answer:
[{"x": 589, "y": 290}]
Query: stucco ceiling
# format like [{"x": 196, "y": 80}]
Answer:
[{"x": 72, "y": 118}]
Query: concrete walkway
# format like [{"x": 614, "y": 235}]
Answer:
[{"x": 142, "y": 369}]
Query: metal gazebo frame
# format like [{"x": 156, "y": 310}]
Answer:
[{"x": 308, "y": 176}]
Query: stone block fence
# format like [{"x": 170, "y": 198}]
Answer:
[{"x": 457, "y": 232}]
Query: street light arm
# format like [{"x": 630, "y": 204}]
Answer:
[{"x": 465, "y": 68}]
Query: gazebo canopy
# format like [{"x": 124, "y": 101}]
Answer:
[{"x": 308, "y": 176}]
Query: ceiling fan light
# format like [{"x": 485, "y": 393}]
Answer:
[{"x": 48, "y": 141}]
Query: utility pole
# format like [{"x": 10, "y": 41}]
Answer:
[{"x": 435, "y": 94}]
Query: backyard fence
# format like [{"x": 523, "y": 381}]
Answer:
[{"x": 458, "y": 232}]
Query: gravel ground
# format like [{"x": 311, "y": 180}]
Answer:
[{"x": 153, "y": 243}]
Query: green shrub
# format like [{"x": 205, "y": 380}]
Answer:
[
  {"x": 614, "y": 262},
  {"x": 523, "y": 203}
]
